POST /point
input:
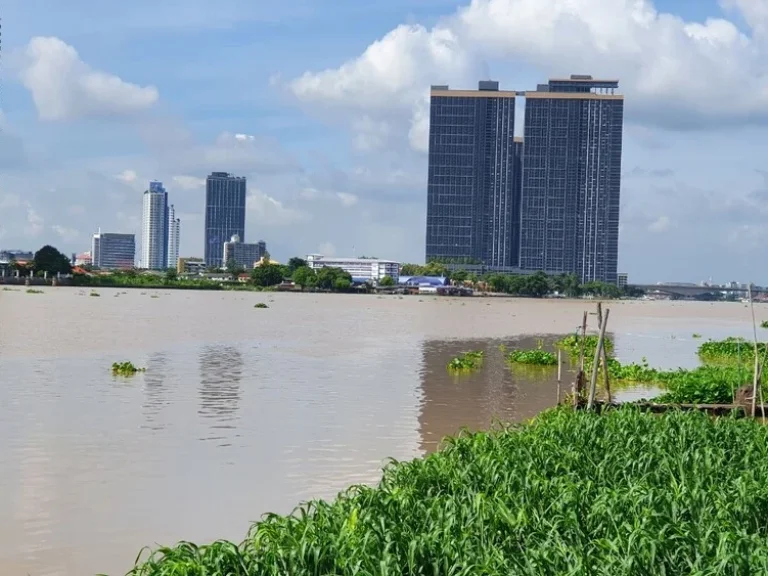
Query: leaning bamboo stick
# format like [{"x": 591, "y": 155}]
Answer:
[
  {"x": 757, "y": 357},
  {"x": 604, "y": 356},
  {"x": 593, "y": 380},
  {"x": 578, "y": 384},
  {"x": 559, "y": 373}
]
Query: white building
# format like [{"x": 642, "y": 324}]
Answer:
[
  {"x": 174, "y": 235},
  {"x": 361, "y": 269},
  {"x": 154, "y": 228}
]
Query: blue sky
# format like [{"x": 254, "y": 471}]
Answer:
[{"x": 321, "y": 104}]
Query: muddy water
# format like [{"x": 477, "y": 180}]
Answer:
[{"x": 243, "y": 410}]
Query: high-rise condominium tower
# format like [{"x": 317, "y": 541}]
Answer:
[
  {"x": 174, "y": 236},
  {"x": 154, "y": 228},
  {"x": 572, "y": 178},
  {"x": 224, "y": 214},
  {"x": 473, "y": 209}
]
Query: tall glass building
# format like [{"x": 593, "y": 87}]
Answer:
[
  {"x": 174, "y": 237},
  {"x": 224, "y": 214},
  {"x": 154, "y": 227},
  {"x": 571, "y": 181},
  {"x": 472, "y": 197}
]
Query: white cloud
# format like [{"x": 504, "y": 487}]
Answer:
[
  {"x": 66, "y": 234},
  {"x": 661, "y": 224},
  {"x": 664, "y": 63},
  {"x": 245, "y": 137},
  {"x": 188, "y": 182},
  {"x": 347, "y": 199},
  {"x": 8, "y": 201},
  {"x": 127, "y": 176},
  {"x": 269, "y": 211},
  {"x": 64, "y": 87},
  {"x": 35, "y": 222}
]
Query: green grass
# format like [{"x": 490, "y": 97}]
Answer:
[
  {"x": 621, "y": 494},
  {"x": 466, "y": 361},
  {"x": 125, "y": 369},
  {"x": 94, "y": 294}
]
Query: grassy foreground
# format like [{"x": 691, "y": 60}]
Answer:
[{"x": 570, "y": 493}]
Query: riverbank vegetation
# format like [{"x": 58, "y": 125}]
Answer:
[
  {"x": 466, "y": 361},
  {"x": 621, "y": 493},
  {"x": 125, "y": 369}
]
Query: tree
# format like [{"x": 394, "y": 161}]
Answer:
[
  {"x": 387, "y": 281},
  {"x": 295, "y": 263},
  {"x": 171, "y": 275},
  {"x": 267, "y": 275},
  {"x": 459, "y": 276},
  {"x": 305, "y": 277},
  {"x": 327, "y": 279},
  {"x": 49, "y": 259},
  {"x": 234, "y": 268}
]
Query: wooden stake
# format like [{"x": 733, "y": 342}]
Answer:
[
  {"x": 755, "y": 375},
  {"x": 559, "y": 373},
  {"x": 578, "y": 384},
  {"x": 593, "y": 380},
  {"x": 604, "y": 356}
]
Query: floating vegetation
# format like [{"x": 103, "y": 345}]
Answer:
[
  {"x": 7, "y": 289},
  {"x": 572, "y": 345},
  {"x": 125, "y": 369},
  {"x": 154, "y": 296},
  {"x": 34, "y": 291},
  {"x": 764, "y": 324},
  {"x": 730, "y": 351},
  {"x": 621, "y": 493},
  {"x": 94, "y": 294},
  {"x": 466, "y": 361},
  {"x": 260, "y": 305},
  {"x": 696, "y": 335},
  {"x": 536, "y": 357}
]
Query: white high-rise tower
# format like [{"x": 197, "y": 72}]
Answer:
[{"x": 154, "y": 228}]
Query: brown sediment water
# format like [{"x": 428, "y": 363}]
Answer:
[{"x": 243, "y": 411}]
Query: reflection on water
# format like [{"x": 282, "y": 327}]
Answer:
[
  {"x": 221, "y": 369},
  {"x": 155, "y": 393}
]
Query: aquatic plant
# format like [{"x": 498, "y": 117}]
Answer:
[
  {"x": 696, "y": 335},
  {"x": 7, "y": 289},
  {"x": 732, "y": 350},
  {"x": 125, "y": 369},
  {"x": 34, "y": 291},
  {"x": 624, "y": 493},
  {"x": 536, "y": 357},
  {"x": 572, "y": 345},
  {"x": 260, "y": 305},
  {"x": 94, "y": 294},
  {"x": 466, "y": 361},
  {"x": 764, "y": 324}
]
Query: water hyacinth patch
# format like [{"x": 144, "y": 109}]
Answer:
[
  {"x": 125, "y": 369},
  {"x": 620, "y": 494},
  {"x": 730, "y": 351},
  {"x": 466, "y": 361},
  {"x": 536, "y": 357}
]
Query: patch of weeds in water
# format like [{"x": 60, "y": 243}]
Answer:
[
  {"x": 466, "y": 361},
  {"x": 536, "y": 357},
  {"x": 7, "y": 289},
  {"x": 94, "y": 294},
  {"x": 125, "y": 369},
  {"x": 764, "y": 324},
  {"x": 34, "y": 291},
  {"x": 529, "y": 499},
  {"x": 572, "y": 345},
  {"x": 154, "y": 296},
  {"x": 260, "y": 305},
  {"x": 696, "y": 335},
  {"x": 732, "y": 350}
]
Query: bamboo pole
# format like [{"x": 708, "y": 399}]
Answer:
[
  {"x": 559, "y": 373},
  {"x": 604, "y": 356},
  {"x": 757, "y": 358},
  {"x": 593, "y": 380},
  {"x": 578, "y": 384}
]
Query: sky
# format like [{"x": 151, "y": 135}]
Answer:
[{"x": 323, "y": 105}]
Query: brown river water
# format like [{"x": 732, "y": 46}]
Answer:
[{"x": 243, "y": 411}]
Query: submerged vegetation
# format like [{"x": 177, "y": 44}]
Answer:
[
  {"x": 536, "y": 357},
  {"x": 466, "y": 361},
  {"x": 125, "y": 369},
  {"x": 570, "y": 493}
]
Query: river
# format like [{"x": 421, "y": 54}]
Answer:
[{"x": 242, "y": 411}]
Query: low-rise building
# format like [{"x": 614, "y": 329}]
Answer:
[
  {"x": 110, "y": 251},
  {"x": 190, "y": 265},
  {"x": 361, "y": 269},
  {"x": 621, "y": 279},
  {"x": 242, "y": 253}
]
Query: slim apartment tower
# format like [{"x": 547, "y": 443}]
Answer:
[
  {"x": 224, "y": 214},
  {"x": 571, "y": 182},
  {"x": 472, "y": 208},
  {"x": 154, "y": 227},
  {"x": 174, "y": 236}
]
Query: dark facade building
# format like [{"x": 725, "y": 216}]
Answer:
[
  {"x": 242, "y": 254},
  {"x": 224, "y": 214},
  {"x": 110, "y": 251},
  {"x": 472, "y": 207},
  {"x": 571, "y": 178}
]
